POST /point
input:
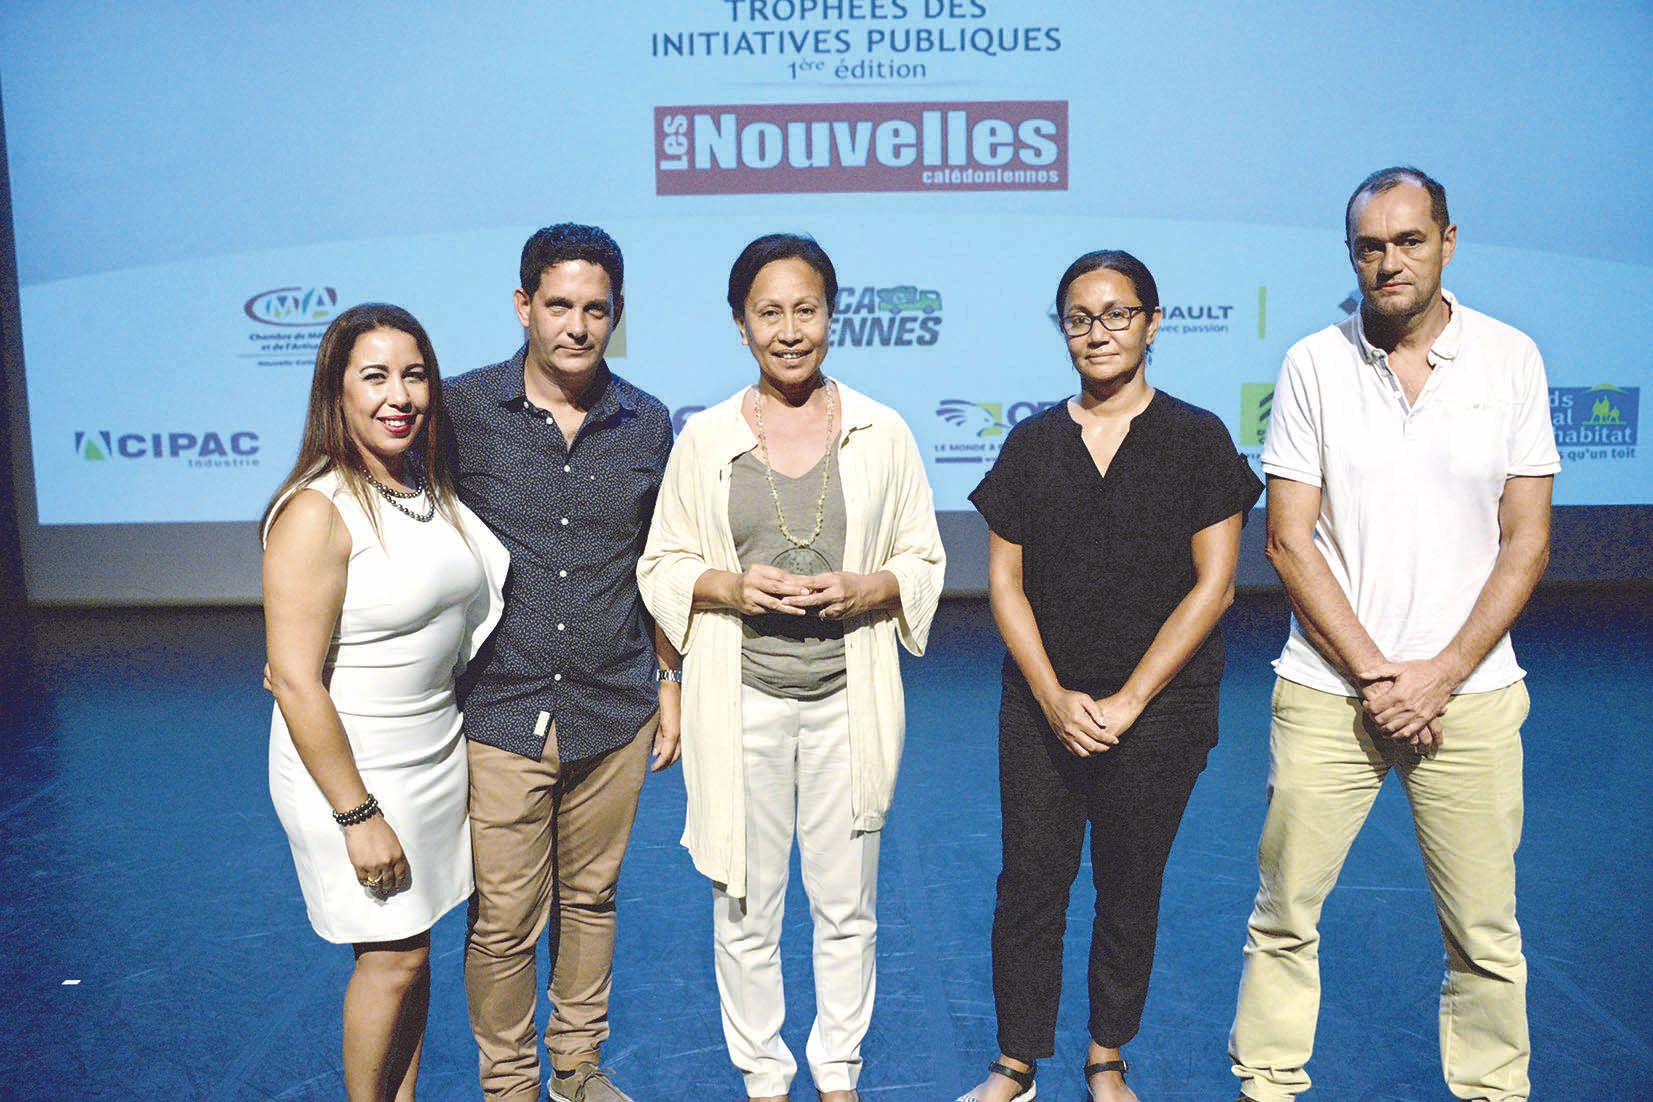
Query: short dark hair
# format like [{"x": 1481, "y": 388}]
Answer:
[
  {"x": 1385, "y": 178},
  {"x": 571, "y": 241},
  {"x": 1113, "y": 260},
  {"x": 779, "y": 246}
]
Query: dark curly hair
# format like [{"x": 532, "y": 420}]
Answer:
[{"x": 571, "y": 241}]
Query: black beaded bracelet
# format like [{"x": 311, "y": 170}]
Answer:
[{"x": 368, "y": 809}]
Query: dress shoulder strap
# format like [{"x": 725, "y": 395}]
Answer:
[{"x": 329, "y": 484}]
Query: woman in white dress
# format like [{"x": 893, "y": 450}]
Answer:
[{"x": 378, "y": 585}]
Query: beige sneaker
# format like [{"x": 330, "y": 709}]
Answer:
[{"x": 589, "y": 1083}]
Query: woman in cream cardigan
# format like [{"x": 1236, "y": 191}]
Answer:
[{"x": 794, "y": 543}]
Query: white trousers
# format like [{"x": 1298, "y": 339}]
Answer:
[{"x": 796, "y": 756}]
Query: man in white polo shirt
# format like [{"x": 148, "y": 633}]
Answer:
[{"x": 1410, "y": 460}]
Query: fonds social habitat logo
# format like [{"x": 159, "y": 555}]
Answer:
[
  {"x": 194, "y": 449},
  {"x": 749, "y": 149},
  {"x": 294, "y": 306},
  {"x": 1601, "y": 416}
]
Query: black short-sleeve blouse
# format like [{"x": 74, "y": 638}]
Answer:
[{"x": 1105, "y": 560}]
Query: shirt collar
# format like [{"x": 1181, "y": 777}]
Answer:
[
  {"x": 613, "y": 393},
  {"x": 1445, "y": 347}
]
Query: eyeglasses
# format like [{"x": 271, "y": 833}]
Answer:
[{"x": 1115, "y": 319}]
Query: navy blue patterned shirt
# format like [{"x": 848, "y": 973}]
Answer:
[{"x": 575, "y": 645}]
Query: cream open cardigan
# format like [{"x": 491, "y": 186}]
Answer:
[{"x": 890, "y": 525}]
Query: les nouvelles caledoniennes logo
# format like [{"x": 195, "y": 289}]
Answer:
[{"x": 748, "y": 149}]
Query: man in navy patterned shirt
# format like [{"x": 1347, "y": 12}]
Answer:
[{"x": 562, "y": 459}]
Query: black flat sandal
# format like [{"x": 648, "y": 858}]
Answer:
[
  {"x": 1023, "y": 1079},
  {"x": 1104, "y": 1065}
]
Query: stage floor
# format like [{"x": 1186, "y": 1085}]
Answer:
[{"x": 155, "y": 946}]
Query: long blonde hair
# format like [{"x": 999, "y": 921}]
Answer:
[{"x": 327, "y": 444}]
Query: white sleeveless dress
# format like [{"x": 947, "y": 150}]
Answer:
[{"x": 416, "y": 607}]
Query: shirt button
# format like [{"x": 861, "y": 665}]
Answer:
[
  {"x": 565, "y": 520},
  {"x": 550, "y": 421},
  {"x": 562, "y": 573},
  {"x": 566, "y": 467},
  {"x": 556, "y": 677},
  {"x": 562, "y": 627}
]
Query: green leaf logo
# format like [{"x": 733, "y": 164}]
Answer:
[{"x": 1256, "y": 402}]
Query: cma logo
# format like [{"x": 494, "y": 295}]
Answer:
[
  {"x": 294, "y": 306},
  {"x": 987, "y": 420},
  {"x": 102, "y": 445}
]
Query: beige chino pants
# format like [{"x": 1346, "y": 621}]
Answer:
[
  {"x": 547, "y": 842},
  {"x": 1325, "y": 768}
]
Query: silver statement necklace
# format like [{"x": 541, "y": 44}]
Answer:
[
  {"x": 801, "y": 558},
  {"x": 396, "y": 497}
]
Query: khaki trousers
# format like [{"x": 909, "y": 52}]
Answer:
[
  {"x": 547, "y": 842},
  {"x": 1325, "y": 768}
]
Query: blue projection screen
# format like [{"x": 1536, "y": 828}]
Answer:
[{"x": 196, "y": 190}]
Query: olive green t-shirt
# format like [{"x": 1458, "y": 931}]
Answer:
[{"x": 796, "y": 657}]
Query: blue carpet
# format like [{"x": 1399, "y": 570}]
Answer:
[{"x": 141, "y": 858}]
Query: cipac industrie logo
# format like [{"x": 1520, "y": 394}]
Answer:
[
  {"x": 294, "y": 306},
  {"x": 1596, "y": 422},
  {"x": 205, "y": 449},
  {"x": 748, "y": 149}
]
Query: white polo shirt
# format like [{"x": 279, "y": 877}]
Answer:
[{"x": 1409, "y": 492}]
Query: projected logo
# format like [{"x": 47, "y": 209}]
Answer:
[
  {"x": 193, "y": 449},
  {"x": 1193, "y": 318},
  {"x": 979, "y": 428},
  {"x": 1006, "y": 145},
  {"x": 294, "y": 306},
  {"x": 902, "y": 316},
  {"x": 1597, "y": 422},
  {"x": 681, "y": 415},
  {"x": 1256, "y": 403}
]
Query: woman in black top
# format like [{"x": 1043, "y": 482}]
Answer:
[{"x": 1115, "y": 527}]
